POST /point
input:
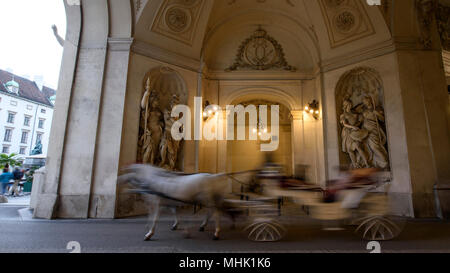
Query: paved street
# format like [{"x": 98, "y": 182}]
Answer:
[{"x": 19, "y": 233}]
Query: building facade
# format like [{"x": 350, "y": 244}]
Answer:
[
  {"x": 381, "y": 63},
  {"x": 26, "y": 115}
]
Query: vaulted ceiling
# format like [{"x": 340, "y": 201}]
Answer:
[{"x": 309, "y": 32}]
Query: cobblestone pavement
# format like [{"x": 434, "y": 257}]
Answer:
[{"x": 20, "y": 233}]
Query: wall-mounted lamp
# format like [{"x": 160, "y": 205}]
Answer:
[
  {"x": 313, "y": 109},
  {"x": 209, "y": 110}
]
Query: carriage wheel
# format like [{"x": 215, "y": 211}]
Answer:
[
  {"x": 379, "y": 228},
  {"x": 265, "y": 230}
]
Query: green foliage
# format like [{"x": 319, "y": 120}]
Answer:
[
  {"x": 10, "y": 160},
  {"x": 30, "y": 173}
]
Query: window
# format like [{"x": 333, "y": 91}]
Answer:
[
  {"x": 22, "y": 150},
  {"x": 11, "y": 117},
  {"x": 24, "y": 139},
  {"x": 29, "y": 107},
  {"x": 8, "y": 135},
  {"x": 13, "y": 103},
  {"x": 5, "y": 150},
  {"x": 43, "y": 111},
  {"x": 39, "y": 138},
  {"x": 41, "y": 123},
  {"x": 26, "y": 121}
]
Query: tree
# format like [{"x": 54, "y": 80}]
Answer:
[{"x": 9, "y": 160}]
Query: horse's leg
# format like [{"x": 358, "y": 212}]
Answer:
[
  {"x": 205, "y": 222},
  {"x": 217, "y": 233},
  {"x": 150, "y": 234},
  {"x": 175, "y": 225}
]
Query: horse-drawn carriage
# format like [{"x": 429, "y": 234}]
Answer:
[{"x": 359, "y": 198}]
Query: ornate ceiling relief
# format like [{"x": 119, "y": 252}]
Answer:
[
  {"x": 260, "y": 52},
  {"x": 177, "y": 19},
  {"x": 346, "y": 21},
  {"x": 137, "y": 6}
]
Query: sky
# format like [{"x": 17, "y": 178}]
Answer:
[{"x": 27, "y": 44}]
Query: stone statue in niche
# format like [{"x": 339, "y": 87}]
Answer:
[
  {"x": 152, "y": 125},
  {"x": 353, "y": 136},
  {"x": 376, "y": 139},
  {"x": 169, "y": 146},
  {"x": 363, "y": 137},
  {"x": 362, "y": 119},
  {"x": 163, "y": 89}
]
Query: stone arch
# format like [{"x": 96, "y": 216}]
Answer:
[{"x": 266, "y": 93}]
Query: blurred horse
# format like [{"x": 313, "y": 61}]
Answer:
[{"x": 177, "y": 189}]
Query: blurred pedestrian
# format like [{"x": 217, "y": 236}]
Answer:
[
  {"x": 5, "y": 177},
  {"x": 18, "y": 175}
]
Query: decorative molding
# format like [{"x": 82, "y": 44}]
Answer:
[
  {"x": 377, "y": 50},
  {"x": 120, "y": 44},
  {"x": 261, "y": 52},
  {"x": 178, "y": 19},
  {"x": 289, "y": 2},
  {"x": 272, "y": 75},
  {"x": 165, "y": 56},
  {"x": 346, "y": 21},
  {"x": 137, "y": 6}
]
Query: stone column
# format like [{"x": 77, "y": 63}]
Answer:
[
  {"x": 425, "y": 103},
  {"x": 107, "y": 153},
  {"x": 83, "y": 159},
  {"x": 47, "y": 194},
  {"x": 298, "y": 139}
]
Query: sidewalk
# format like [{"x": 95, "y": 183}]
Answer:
[{"x": 23, "y": 200}]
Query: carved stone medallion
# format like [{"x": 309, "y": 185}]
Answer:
[
  {"x": 346, "y": 20},
  {"x": 177, "y": 19},
  {"x": 260, "y": 52}
]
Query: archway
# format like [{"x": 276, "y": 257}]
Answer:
[{"x": 308, "y": 46}]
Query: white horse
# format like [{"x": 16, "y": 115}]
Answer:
[{"x": 177, "y": 189}]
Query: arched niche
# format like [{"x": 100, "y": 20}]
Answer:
[
  {"x": 361, "y": 117},
  {"x": 166, "y": 81},
  {"x": 163, "y": 88}
]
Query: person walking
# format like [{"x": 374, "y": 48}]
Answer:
[
  {"x": 18, "y": 175},
  {"x": 5, "y": 177}
]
